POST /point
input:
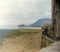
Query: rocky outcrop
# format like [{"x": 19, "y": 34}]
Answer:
[{"x": 54, "y": 47}]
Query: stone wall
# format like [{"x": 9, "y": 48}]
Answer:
[{"x": 56, "y": 17}]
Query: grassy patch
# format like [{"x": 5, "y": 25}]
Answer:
[{"x": 24, "y": 32}]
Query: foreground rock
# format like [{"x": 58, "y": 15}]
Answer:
[{"x": 55, "y": 47}]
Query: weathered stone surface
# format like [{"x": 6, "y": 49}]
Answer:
[{"x": 56, "y": 16}]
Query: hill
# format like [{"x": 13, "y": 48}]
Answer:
[{"x": 41, "y": 22}]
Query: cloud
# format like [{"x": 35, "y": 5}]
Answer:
[{"x": 23, "y": 11}]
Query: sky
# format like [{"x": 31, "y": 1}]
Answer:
[{"x": 16, "y": 12}]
